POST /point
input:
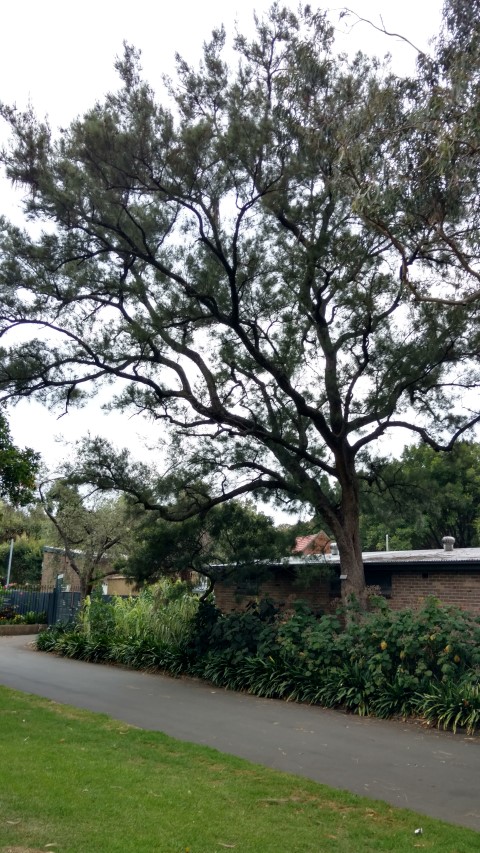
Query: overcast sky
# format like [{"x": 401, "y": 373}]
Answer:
[{"x": 59, "y": 57}]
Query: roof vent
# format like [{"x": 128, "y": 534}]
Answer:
[
  {"x": 334, "y": 549},
  {"x": 448, "y": 543}
]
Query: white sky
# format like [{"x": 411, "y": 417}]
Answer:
[{"x": 59, "y": 57}]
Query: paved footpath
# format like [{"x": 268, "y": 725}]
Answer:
[{"x": 428, "y": 771}]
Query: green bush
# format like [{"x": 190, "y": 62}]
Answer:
[
  {"x": 151, "y": 631},
  {"x": 203, "y": 623},
  {"x": 33, "y": 618},
  {"x": 9, "y": 616},
  {"x": 164, "y": 613},
  {"x": 313, "y": 639},
  {"x": 27, "y": 560},
  {"x": 49, "y": 640},
  {"x": 241, "y": 634}
]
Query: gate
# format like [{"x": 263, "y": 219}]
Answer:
[{"x": 64, "y": 605}]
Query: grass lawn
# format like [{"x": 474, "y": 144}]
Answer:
[{"x": 76, "y": 782}]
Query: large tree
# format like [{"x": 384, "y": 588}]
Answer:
[
  {"x": 440, "y": 262},
  {"x": 242, "y": 261}
]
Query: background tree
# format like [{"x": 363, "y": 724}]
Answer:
[
  {"x": 17, "y": 468},
  {"x": 424, "y": 496},
  {"x": 29, "y": 529},
  {"x": 229, "y": 543},
  {"x": 28, "y": 522},
  {"x": 234, "y": 261},
  {"x": 88, "y": 527},
  {"x": 27, "y": 558}
]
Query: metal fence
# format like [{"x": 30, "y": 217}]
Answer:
[
  {"x": 42, "y": 604},
  {"x": 52, "y": 606}
]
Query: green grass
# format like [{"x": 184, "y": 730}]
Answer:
[{"x": 76, "y": 782}]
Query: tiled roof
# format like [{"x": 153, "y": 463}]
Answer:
[{"x": 314, "y": 543}]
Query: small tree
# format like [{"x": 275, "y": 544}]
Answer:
[
  {"x": 228, "y": 543},
  {"x": 89, "y": 528}
]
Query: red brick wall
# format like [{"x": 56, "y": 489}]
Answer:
[
  {"x": 281, "y": 590},
  {"x": 409, "y": 589}
]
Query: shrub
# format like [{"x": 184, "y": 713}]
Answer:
[
  {"x": 33, "y": 618},
  {"x": 47, "y": 641},
  {"x": 452, "y": 703},
  {"x": 203, "y": 622},
  {"x": 245, "y": 633},
  {"x": 313, "y": 639}
]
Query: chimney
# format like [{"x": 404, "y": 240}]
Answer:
[{"x": 448, "y": 543}]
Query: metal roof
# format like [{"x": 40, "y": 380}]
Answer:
[
  {"x": 434, "y": 555},
  {"x": 458, "y": 558}
]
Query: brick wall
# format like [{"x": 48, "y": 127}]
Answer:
[
  {"x": 280, "y": 589},
  {"x": 56, "y": 563},
  {"x": 120, "y": 585},
  {"x": 409, "y": 589}
]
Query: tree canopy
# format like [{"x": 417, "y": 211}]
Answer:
[
  {"x": 244, "y": 253},
  {"x": 29, "y": 528}
]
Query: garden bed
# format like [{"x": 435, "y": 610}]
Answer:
[{"x": 421, "y": 664}]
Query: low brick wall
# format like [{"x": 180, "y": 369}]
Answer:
[{"x": 18, "y": 630}]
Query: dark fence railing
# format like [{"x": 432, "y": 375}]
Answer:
[
  {"x": 65, "y": 606},
  {"x": 41, "y": 604},
  {"x": 23, "y": 601},
  {"x": 48, "y": 605}
]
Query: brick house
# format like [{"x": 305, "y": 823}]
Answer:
[
  {"x": 55, "y": 563},
  {"x": 404, "y": 578}
]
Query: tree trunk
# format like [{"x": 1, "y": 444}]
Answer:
[
  {"x": 86, "y": 588},
  {"x": 346, "y": 528},
  {"x": 352, "y": 573}
]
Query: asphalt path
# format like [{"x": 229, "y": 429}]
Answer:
[{"x": 406, "y": 765}]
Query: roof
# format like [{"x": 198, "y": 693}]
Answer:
[
  {"x": 314, "y": 543},
  {"x": 434, "y": 555},
  {"x": 387, "y": 559},
  {"x": 459, "y": 558}
]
